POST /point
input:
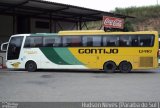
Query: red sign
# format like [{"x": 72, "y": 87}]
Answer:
[{"x": 113, "y": 22}]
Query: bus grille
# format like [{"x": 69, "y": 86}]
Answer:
[{"x": 146, "y": 61}]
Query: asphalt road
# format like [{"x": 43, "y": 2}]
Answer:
[{"x": 79, "y": 86}]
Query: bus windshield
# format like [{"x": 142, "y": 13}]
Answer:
[{"x": 14, "y": 47}]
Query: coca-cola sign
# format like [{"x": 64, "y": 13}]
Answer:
[{"x": 112, "y": 22}]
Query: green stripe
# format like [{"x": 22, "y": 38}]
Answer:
[
  {"x": 60, "y": 56},
  {"x": 67, "y": 56},
  {"x": 51, "y": 54}
]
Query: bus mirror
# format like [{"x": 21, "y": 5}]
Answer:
[{"x": 4, "y": 46}]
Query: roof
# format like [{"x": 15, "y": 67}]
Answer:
[{"x": 57, "y": 11}]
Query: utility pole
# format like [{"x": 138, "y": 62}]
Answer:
[{"x": 157, "y": 2}]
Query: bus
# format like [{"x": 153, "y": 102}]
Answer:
[{"x": 83, "y": 49}]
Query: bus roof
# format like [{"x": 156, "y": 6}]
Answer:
[
  {"x": 43, "y": 34},
  {"x": 81, "y": 32},
  {"x": 36, "y": 34},
  {"x": 86, "y": 32}
]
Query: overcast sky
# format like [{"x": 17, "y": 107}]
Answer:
[{"x": 107, "y": 5}]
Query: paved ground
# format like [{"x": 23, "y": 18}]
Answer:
[{"x": 59, "y": 86}]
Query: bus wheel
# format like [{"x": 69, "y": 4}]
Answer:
[
  {"x": 109, "y": 66},
  {"x": 125, "y": 66},
  {"x": 31, "y": 66}
]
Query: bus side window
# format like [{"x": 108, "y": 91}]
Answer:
[
  {"x": 97, "y": 41},
  {"x": 66, "y": 41},
  {"x": 48, "y": 41},
  {"x": 71, "y": 41},
  {"x": 124, "y": 41},
  {"x": 37, "y": 42},
  {"x": 32, "y": 42},
  {"x": 104, "y": 41},
  {"x": 51, "y": 41},
  {"x": 87, "y": 41},
  {"x": 57, "y": 41},
  {"x": 110, "y": 41},
  {"x": 76, "y": 41},
  {"x": 27, "y": 42},
  {"x": 146, "y": 40},
  {"x": 134, "y": 41}
]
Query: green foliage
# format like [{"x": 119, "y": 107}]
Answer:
[
  {"x": 128, "y": 26},
  {"x": 140, "y": 12},
  {"x": 141, "y": 15}
]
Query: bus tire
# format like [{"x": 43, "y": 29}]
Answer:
[
  {"x": 31, "y": 66},
  {"x": 109, "y": 66},
  {"x": 125, "y": 66}
]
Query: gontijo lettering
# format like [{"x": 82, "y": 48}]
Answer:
[{"x": 98, "y": 51}]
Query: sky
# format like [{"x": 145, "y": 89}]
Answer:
[{"x": 107, "y": 5}]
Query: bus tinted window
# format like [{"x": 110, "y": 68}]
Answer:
[
  {"x": 33, "y": 42},
  {"x": 87, "y": 41},
  {"x": 92, "y": 40},
  {"x": 97, "y": 41},
  {"x": 110, "y": 41},
  {"x": 14, "y": 47},
  {"x": 146, "y": 40},
  {"x": 51, "y": 41},
  {"x": 134, "y": 41},
  {"x": 71, "y": 41},
  {"x": 124, "y": 41}
]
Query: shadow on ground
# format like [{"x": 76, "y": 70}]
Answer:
[{"x": 85, "y": 71}]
